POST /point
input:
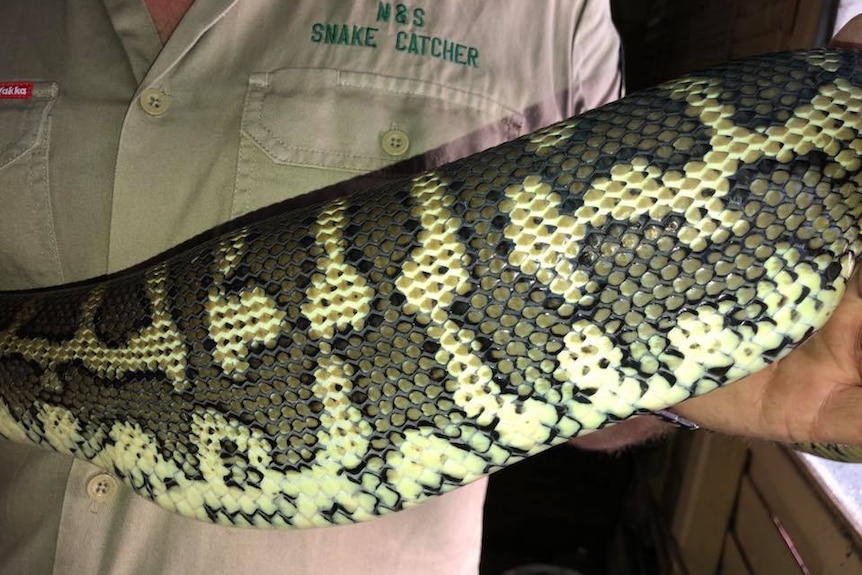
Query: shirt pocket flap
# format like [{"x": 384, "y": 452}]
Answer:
[{"x": 341, "y": 120}]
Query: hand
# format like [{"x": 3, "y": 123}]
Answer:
[{"x": 812, "y": 395}]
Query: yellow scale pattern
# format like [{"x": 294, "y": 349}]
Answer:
[
  {"x": 633, "y": 257},
  {"x": 339, "y": 294}
]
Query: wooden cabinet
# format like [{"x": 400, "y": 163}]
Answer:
[{"x": 738, "y": 508}]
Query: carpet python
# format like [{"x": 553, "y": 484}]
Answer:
[{"x": 351, "y": 358}]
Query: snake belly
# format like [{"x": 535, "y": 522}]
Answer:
[{"x": 351, "y": 358}]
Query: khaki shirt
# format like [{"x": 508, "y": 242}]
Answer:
[{"x": 121, "y": 148}]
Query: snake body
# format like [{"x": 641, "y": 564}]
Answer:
[{"x": 351, "y": 358}]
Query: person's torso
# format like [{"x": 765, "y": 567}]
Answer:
[
  {"x": 114, "y": 148},
  {"x": 125, "y": 148}
]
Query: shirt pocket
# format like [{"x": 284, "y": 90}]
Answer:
[
  {"x": 28, "y": 245},
  {"x": 304, "y": 129}
]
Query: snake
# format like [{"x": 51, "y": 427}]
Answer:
[{"x": 352, "y": 356}]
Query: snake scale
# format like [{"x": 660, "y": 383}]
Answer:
[{"x": 346, "y": 359}]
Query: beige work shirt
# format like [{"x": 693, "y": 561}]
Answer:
[{"x": 114, "y": 148}]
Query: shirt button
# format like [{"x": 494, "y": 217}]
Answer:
[
  {"x": 101, "y": 486},
  {"x": 395, "y": 142},
  {"x": 154, "y": 101}
]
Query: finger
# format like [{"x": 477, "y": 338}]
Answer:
[
  {"x": 850, "y": 35},
  {"x": 838, "y": 420}
]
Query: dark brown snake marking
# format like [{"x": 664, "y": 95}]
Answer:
[{"x": 349, "y": 359}]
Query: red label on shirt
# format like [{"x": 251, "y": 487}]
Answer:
[{"x": 16, "y": 90}]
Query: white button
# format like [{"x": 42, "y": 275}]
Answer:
[
  {"x": 395, "y": 142},
  {"x": 101, "y": 487},
  {"x": 154, "y": 101}
]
